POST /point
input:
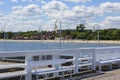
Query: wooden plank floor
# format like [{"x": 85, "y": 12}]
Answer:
[{"x": 110, "y": 75}]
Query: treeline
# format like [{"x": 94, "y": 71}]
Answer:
[
  {"x": 107, "y": 34},
  {"x": 83, "y": 34}
]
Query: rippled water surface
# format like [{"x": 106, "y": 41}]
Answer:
[{"x": 23, "y": 46}]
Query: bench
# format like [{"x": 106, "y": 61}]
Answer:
[
  {"x": 37, "y": 64},
  {"x": 12, "y": 74},
  {"x": 109, "y": 61}
]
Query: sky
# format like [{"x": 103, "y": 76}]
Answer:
[{"x": 28, "y": 15}]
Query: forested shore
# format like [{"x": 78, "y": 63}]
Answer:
[{"x": 68, "y": 34}]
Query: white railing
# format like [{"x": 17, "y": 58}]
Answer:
[{"x": 53, "y": 61}]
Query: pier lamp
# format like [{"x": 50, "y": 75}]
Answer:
[
  {"x": 98, "y": 35},
  {"x": 40, "y": 31},
  {"x": 4, "y": 35},
  {"x": 59, "y": 31}
]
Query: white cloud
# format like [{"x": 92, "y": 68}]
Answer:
[
  {"x": 14, "y": 0},
  {"x": 21, "y": 0},
  {"x": 31, "y": 16},
  {"x": 43, "y": 2},
  {"x": 1, "y": 3},
  {"x": 22, "y": 18},
  {"x": 16, "y": 24},
  {"x": 78, "y": 0},
  {"x": 110, "y": 7},
  {"x": 27, "y": 11},
  {"x": 86, "y": 12},
  {"x": 16, "y": 8},
  {"x": 78, "y": 14},
  {"x": 54, "y": 5},
  {"x": 1, "y": 15},
  {"x": 108, "y": 22},
  {"x": 111, "y": 22}
]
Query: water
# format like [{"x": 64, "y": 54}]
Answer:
[{"x": 23, "y": 46}]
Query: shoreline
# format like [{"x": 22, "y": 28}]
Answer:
[{"x": 69, "y": 41}]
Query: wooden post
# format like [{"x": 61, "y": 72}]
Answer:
[
  {"x": 94, "y": 59},
  {"x": 110, "y": 66},
  {"x": 76, "y": 63},
  {"x": 28, "y": 69},
  {"x": 56, "y": 66},
  {"x": 100, "y": 69}
]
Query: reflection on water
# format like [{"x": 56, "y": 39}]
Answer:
[{"x": 21, "y": 46}]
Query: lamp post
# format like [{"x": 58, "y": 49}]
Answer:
[
  {"x": 98, "y": 35},
  {"x": 4, "y": 35},
  {"x": 60, "y": 33},
  {"x": 40, "y": 31}
]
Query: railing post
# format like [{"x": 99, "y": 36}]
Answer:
[
  {"x": 56, "y": 66},
  {"x": 110, "y": 66},
  {"x": 94, "y": 59},
  {"x": 100, "y": 69},
  {"x": 76, "y": 63},
  {"x": 28, "y": 69}
]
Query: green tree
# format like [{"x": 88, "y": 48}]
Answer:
[
  {"x": 73, "y": 35},
  {"x": 10, "y": 35},
  {"x": 1, "y": 35},
  {"x": 80, "y": 27},
  {"x": 116, "y": 34}
]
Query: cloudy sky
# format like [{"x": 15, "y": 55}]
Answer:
[{"x": 24, "y": 15}]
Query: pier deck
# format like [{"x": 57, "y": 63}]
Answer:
[
  {"x": 109, "y": 75},
  {"x": 61, "y": 62}
]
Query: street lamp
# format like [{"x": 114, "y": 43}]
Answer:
[
  {"x": 60, "y": 30},
  {"x": 98, "y": 35},
  {"x": 4, "y": 35},
  {"x": 40, "y": 31}
]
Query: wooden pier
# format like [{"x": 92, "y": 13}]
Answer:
[{"x": 54, "y": 63}]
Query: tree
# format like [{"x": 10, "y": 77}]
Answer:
[
  {"x": 73, "y": 35},
  {"x": 10, "y": 35},
  {"x": 1, "y": 35},
  {"x": 116, "y": 34},
  {"x": 80, "y": 27}
]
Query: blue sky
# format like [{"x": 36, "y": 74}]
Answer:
[{"x": 24, "y": 15}]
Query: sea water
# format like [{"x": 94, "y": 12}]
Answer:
[{"x": 23, "y": 46}]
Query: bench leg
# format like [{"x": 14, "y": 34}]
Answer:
[
  {"x": 56, "y": 74},
  {"x": 45, "y": 77},
  {"x": 63, "y": 74},
  {"x": 70, "y": 74},
  {"x": 110, "y": 66},
  {"x": 100, "y": 69},
  {"x": 119, "y": 65},
  {"x": 36, "y": 77}
]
